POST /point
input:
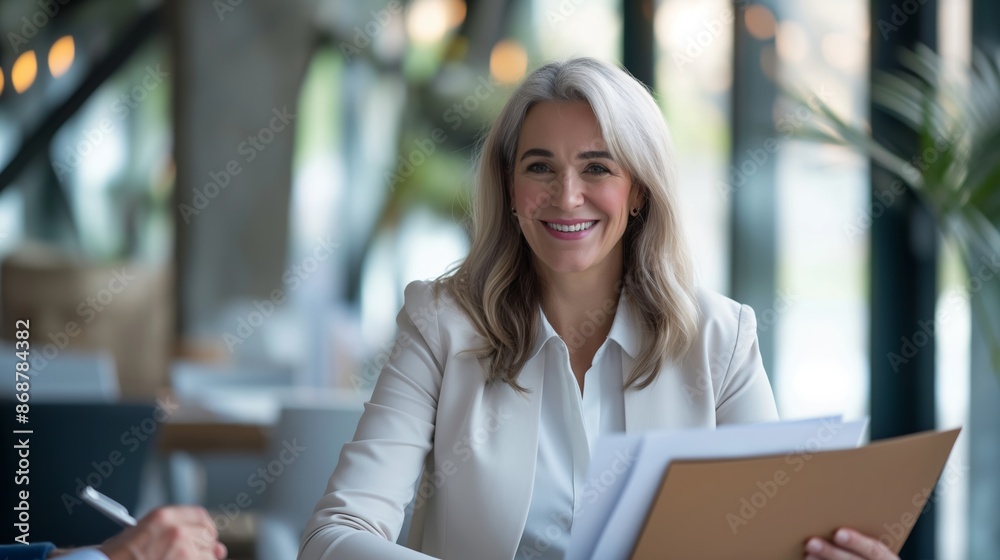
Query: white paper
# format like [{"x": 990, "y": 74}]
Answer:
[
  {"x": 599, "y": 496},
  {"x": 608, "y": 528}
]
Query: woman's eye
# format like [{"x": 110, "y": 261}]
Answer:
[
  {"x": 597, "y": 169},
  {"x": 537, "y": 167}
]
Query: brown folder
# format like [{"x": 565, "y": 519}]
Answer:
[{"x": 767, "y": 507}]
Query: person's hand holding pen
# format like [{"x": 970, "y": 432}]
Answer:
[{"x": 166, "y": 533}]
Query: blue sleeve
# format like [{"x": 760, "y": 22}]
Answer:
[{"x": 34, "y": 551}]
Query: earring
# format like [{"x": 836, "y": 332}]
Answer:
[
  {"x": 513, "y": 211},
  {"x": 635, "y": 211}
]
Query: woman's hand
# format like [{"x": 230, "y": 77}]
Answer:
[{"x": 848, "y": 544}]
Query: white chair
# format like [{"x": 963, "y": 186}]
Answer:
[
  {"x": 288, "y": 501},
  {"x": 69, "y": 375}
]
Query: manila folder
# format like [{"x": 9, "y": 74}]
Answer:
[{"x": 767, "y": 507}]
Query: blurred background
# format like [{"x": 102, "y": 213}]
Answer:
[{"x": 209, "y": 211}]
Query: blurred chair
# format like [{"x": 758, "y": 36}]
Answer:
[
  {"x": 212, "y": 479},
  {"x": 288, "y": 502},
  {"x": 71, "y": 375},
  {"x": 104, "y": 445}
]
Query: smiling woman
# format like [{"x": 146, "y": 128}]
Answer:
[
  {"x": 575, "y": 315},
  {"x": 578, "y": 141}
]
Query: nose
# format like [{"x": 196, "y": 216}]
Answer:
[{"x": 566, "y": 190}]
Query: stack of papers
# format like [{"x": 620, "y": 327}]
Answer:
[{"x": 630, "y": 509}]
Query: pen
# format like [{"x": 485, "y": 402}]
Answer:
[{"x": 110, "y": 508}]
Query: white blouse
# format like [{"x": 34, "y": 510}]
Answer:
[{"x": 569, "y": 427}]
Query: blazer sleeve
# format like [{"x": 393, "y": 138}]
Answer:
[
  {"x": 745, "y": 393},
  {"x": 361, "y": 513}
]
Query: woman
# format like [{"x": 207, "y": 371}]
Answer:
[{"x": 574, "y": 315}]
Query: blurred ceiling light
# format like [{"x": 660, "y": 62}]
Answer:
[
  {"x": 792, "y": 42},
  {"x": 457, "y": 9},
  {"x": 61, "y": 56},
  {"x": 677, "y": 24},
  {"x": 428, "y": 21},
  {"x": 508, "y": 61},
  {"x": 842, "y": 51},
  {"x": 759, "y": 21},
  {"x": 22, "y": 74},
  {"x": 1, "y": 81}
]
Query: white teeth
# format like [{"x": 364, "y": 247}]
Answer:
[{"x": 566, "y": 229}]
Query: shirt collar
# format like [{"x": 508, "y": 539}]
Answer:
[{"x": 623, "y": 331}]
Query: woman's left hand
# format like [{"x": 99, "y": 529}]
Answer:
[{"x": 848, "y": 544}]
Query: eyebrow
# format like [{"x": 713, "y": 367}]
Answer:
[{"x": 593, "y": 154}]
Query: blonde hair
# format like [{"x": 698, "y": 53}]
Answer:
[{"x": 496, "y": 284}]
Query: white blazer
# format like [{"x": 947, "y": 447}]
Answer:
[{"x": 473, "y": 447}]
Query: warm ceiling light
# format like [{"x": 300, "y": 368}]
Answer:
[
  {"x": 457, "y": 10},
  {"x": 22, "y": 75},
  {"x": 508, "y": 62},
  {"x": 759, "y": 21},
  {"x": 1, "y": 81},
  {"x": 61, "y": 56},
  {"x": 427, "y": 21}
]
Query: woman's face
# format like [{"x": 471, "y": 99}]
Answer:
[{"x": 565, "y": 176}]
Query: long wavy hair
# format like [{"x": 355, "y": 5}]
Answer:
[{"x": 497, "y": 284}]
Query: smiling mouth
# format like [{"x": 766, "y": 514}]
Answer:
[{"x": 570, "y": 229}]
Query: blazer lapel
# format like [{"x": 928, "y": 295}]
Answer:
[{"x": 502, "y": 472}]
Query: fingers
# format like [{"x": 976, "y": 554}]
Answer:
[
  {"x": 169, "y": 533},
  {"x": 819, "y": 549},
  {"x": 863, "y": 545},
  {"x": 180, "y": 515},
  {"x": 848, "y": 545}
]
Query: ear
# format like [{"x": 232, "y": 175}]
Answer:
[{"x": 637, "y": 198}]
